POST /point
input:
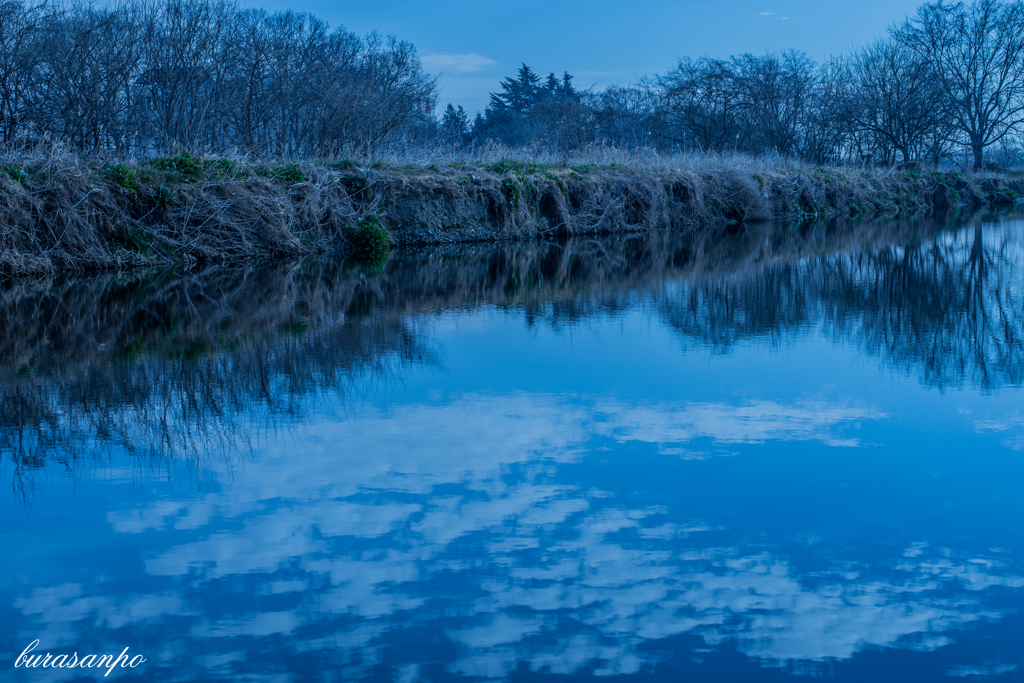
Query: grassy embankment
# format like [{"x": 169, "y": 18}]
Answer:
[{"x": 59, "y": 212}]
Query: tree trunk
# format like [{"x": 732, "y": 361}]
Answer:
[{"x": 979, "y": 150}]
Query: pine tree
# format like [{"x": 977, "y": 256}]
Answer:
[
  {"x": 526, "y": 106},
  {"x": 552, "y": 85},
  {"x": 566, "y": 89},
  {"x": 520, "y": 94},
  {"x": 455, "y": 122}
]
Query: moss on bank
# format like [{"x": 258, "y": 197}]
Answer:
[{"x": 63, "y": 213}]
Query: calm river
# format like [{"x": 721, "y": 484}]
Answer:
[{"x": 786, "y": 452}]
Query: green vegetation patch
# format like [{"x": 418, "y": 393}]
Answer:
[
  {"x": 519, "y": 188},
  {"x": 123, "y": 177},
  {"x": 135, "y": 237},
  {"x": 16, "y": 173},
  {"x": 192, "y": 168},
  {"x": 184, "y": 164},
  {"x": 369, "y": 240},
  {"x": 357, "y": 187},
  {"x": 516, "y": 167},
  {"x": 828, "y": 175},
  {"x": 513, "y": 192},
  {"x": 163, "y": 197},
  {"x": 290, "y": 173}
]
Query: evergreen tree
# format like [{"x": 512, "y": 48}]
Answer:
[
  {"x": 530, "y": 108},
  {"x": 566, "y": 89},
  {"x": 520, "y": 94},
  {"x": 455, "y": 122},
  {"x": 551, "y": 86}
]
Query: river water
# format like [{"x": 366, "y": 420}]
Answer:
[{"x": 790, "y": 451}]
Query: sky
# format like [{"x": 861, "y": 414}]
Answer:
[{"x": 472, "y": 45}]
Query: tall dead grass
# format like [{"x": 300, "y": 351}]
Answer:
[{"x": 62, "y": 212}]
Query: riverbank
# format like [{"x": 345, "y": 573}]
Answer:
[{"x": 62, "y": 213}]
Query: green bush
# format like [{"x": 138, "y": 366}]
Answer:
[
  {"x": 357, "y": 187},
  {"x": 188, "y": 166},
  {"x": 163, "y": 197},
  {"x": 224, "y": 168},
  {"x": 122, "y": 176},
  {"x": 516, "y": 167},
  {"x": 290, "y": 173},
  {"x": 135, "y": 237},
  {"x": 15, "y": 173},
  {"x": 369, "y": 240}
]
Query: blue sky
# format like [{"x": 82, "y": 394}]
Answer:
[{"x": 476, "y": 44}]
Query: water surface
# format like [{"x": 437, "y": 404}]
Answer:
[{"x": 755, "y": 456}]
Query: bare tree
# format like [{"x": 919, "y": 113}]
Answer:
[
  {"x": 775, "y": 93},
  {"x": 90, "y": 65},
  {"x": 627, "y": 116},
  {"x": 826, "y": 135},
  {"x": 701, "y": 104},
  {"x": 977, "y": 52},
  {"x": 382, "y": 90},
  {"x": 150, "y": 76},
  {"x": 182, "y": 64},
  {"x": 153, "y": 76},
  {"x": 896, "y": 97},
  {"x": 23, "y": 32}
]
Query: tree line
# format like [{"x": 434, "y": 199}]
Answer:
[
  {"x": 947, "y": 81},
  {"x": 148, "y": 76},
  {"x": 144, "y": 77}
]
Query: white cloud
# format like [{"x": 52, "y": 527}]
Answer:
[
  {"x": 1012, "y": 423},
  {"x": 753, "y": 422},
  {"x": 987, "y": 670},
  {"x": 457, "y": 63},
  {"x": 539, "y": 572}
]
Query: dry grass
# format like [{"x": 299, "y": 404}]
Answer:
[{"x": 61, "y": 212}]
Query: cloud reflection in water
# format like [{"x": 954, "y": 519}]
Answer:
[{"x": 456, "y": 520}]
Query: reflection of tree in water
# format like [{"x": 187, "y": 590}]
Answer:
[
  {"x": 950, "y": 305},
  {"x": 199, "y": 362},
  {"x": 173, "y": 366}
]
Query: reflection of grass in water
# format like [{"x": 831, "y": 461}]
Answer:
[
  {"x": 170, "y": 346},
  {"x": 172, "y": 315},
  {"x": 944, "y": 307},
  {"x": 294, "y": 328},
  {"x": 173, "y": 415},
  {"x": 29, "y": 369},
  {"x": 167, "y": 369},
  {"x": 207, "y": 360},
  {"x": 370, "y": 266}
]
